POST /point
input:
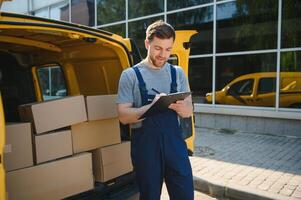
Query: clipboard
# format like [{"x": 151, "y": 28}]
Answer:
[{"x": 163, "y": 103}]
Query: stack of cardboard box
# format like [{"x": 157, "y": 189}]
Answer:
[
  {"x": 47, "y": 157},
  {"x": 109, "y": 161}
]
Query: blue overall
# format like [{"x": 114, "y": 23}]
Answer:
[{"x": 159, "y": 152}]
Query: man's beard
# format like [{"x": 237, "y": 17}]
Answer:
[{"x": 155, "y": 62}]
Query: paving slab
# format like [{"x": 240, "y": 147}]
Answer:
[{"x": 243, "y": 165}]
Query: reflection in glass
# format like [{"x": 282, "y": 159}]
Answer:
[
  {"x": 291, "y": 23},
  {"x": 245, "y": 80},
  {"x": 244, "y": 87},
  {"x": 178, "y": 4},
  {"x": 42, "y": 13},
  {"x": 200, "y": 78},
  {"x": 82, "y": 12},
  {"x": 118, "y": 29},
  {"x": 60, "y": 12},
  {"x": 290, "y": 80},
  {"x": 247, "y": 25},
  {"x": 231, "y": 67},
  {"x": 110, "y": 11},
  {"x": 139, "y": 8},
  {"x": 267, "y": 85},
  {"x": 137, "y": 32},
  {"x": 198, "y": 19}
]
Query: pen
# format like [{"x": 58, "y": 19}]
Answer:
[{"x": 156, "y": 91}]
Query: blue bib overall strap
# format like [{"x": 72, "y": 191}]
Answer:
[
  {"x": 173, "y": 85},
  {"x": 145, "y": 97},
  {"x": 159, "y": 152},
  {"x": 142, "y": 86}
]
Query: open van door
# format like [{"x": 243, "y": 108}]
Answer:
[
  {"x": 180, "y": 56},
  {"x": 2, "y": 143},
  {"x": 181, "y": 48}
]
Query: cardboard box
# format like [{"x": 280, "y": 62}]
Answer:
[
  {"x": 53, "y": 180},
  {"x": 101, "y": 107},
  {"x": 94, "y": 134},
  {"x": 53, "y": 145},
  {"x": 54, "y": 114},
  {"x": 111, "y": 161},
  {"x": 18, "y": 146}
]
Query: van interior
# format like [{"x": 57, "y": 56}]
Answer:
[{"x": 86, "y": 65}]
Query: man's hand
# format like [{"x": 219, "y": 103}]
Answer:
[
  {"x": 129, "y": 115},
  {"x": 157, "y": 97},
  {"x": 183, "y": 108}
]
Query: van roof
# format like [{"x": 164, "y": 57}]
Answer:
[{"x": 269, "y": 74}]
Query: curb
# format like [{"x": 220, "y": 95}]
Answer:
[{"x": 224, "y": 189}]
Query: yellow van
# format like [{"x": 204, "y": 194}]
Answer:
[
  {"x": 42, "y": 59},
  {"x": 258, "y": 89}
]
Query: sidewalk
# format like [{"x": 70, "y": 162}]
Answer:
[{"x": 238, "y": 165}]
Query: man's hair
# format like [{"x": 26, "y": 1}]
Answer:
[{"x": 160, "y": 29}]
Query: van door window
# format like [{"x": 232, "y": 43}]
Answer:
[
  {"x": 52, "y": 82},
  {"x": 244, "y": 87},
  {"x": 173, "y": 59},
  {"x": 267, "y": 85}
]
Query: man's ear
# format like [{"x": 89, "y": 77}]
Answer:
[{"x": 146, "y": 44}]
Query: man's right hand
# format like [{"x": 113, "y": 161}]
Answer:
[
  {"x": 129, "y": 115},
  {"x": 157, "y": 97}
]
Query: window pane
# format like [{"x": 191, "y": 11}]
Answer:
[
  {"x": 117, "y": 29},
  {"x": 178, "y": 4},
  {"x": 139, "y": 8},
  {"x": 200, "y": 78},
  {"x": 82, "y": 12},
  {"x": 290, "y": 80},
  {"x": 137, "y": 32},
  {"x": 42, "y": 13},
  {"x": 52, "y": 82},
  {"x": 247, "y": 25},
  {"x": 110, "y": 11},
  {"x": 197, "y": 19},
  {"x": 235, "y": 71},
  {"x": 60, "y": 12},
  {"x": 291, "y": 23}
]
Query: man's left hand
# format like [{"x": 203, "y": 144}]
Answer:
[{"x": 183, "y": 108}]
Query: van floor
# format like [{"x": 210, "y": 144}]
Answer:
[{"x": 123, "y": 188}]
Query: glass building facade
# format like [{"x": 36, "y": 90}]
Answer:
[{"x": 246, "y": 53}]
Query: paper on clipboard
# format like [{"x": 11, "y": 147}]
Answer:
[{"x": 163, "y": 103}]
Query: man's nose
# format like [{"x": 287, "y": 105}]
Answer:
[{"x": 163, "y": 53}]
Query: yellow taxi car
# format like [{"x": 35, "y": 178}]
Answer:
[{"x": 258, "y": 89}]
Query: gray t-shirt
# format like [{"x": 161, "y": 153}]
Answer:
[{"x": 128, "y": 89}]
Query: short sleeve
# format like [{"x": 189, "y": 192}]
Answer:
[
  {"x": 125, "y": 88},
  {"x": 183, "y": 81}
]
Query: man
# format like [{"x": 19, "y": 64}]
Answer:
[{"x": 157, "y": 148}]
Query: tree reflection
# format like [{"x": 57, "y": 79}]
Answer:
[
  {"x": 257, "y": 21},
  {"x": 139, "y": 8},
  {"x": 110, "y": 11}
]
